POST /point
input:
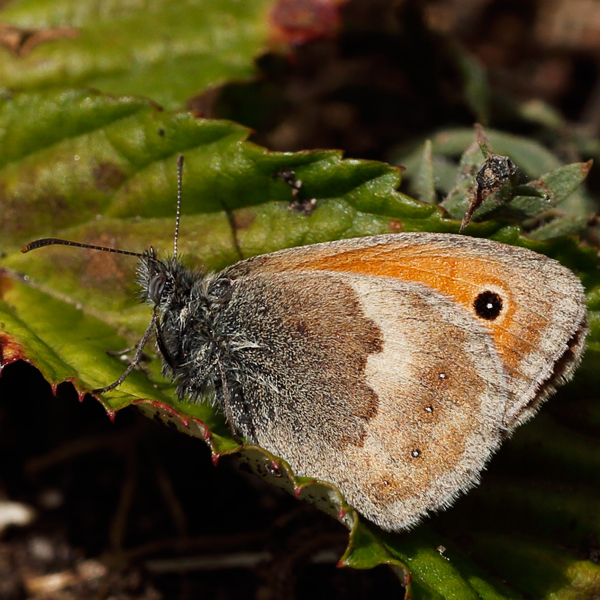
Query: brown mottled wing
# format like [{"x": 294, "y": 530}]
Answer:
[
  {"x": 540, "y": 330},
  {"x": 386, "y": 388}
]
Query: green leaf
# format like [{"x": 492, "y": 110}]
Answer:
[
  {"x": 540, "y": 571},
  {"x": 101, "y": 169},
  {"x": 167, "y": 51},
  {"x": 561, "y": 184},
  {"x": 426, "y": 181},
  {"x": 475, "y": 83}
]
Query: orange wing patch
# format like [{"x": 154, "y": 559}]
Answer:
[{"x": 463, "y": 280}]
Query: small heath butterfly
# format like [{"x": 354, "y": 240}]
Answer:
[{"x": 392, "y": 366}]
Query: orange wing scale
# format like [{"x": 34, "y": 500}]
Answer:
[{"x": 457, "y": 278}]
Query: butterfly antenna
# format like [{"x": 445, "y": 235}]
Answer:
[
  {"x": 134, "y": 362},
  {"x": 178, "y": 215},
  {"x": 55, "y": 241}
]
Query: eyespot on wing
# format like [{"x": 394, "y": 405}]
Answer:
[{"x": 539, "y": 314}]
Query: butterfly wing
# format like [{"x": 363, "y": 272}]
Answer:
[
  {"x": 533, "y": 307},
  {"x": 386, "y": 388}
]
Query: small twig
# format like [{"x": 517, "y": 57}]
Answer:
[
  {"x": 118, "y": 526},
  {"x": 76, "y": 448},
  {"x": 171, "y": 500},
  {"x": 207, "y": 543},
  {"x": 233, "y": 227},
  {"x": 237, "y": 560}
]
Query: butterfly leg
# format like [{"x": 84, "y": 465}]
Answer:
[{"x": 228, "y": 397}]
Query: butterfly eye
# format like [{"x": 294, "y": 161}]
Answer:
[
  {"x": 222, "y": 288},
  {"x": 156, "y": 287}
]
